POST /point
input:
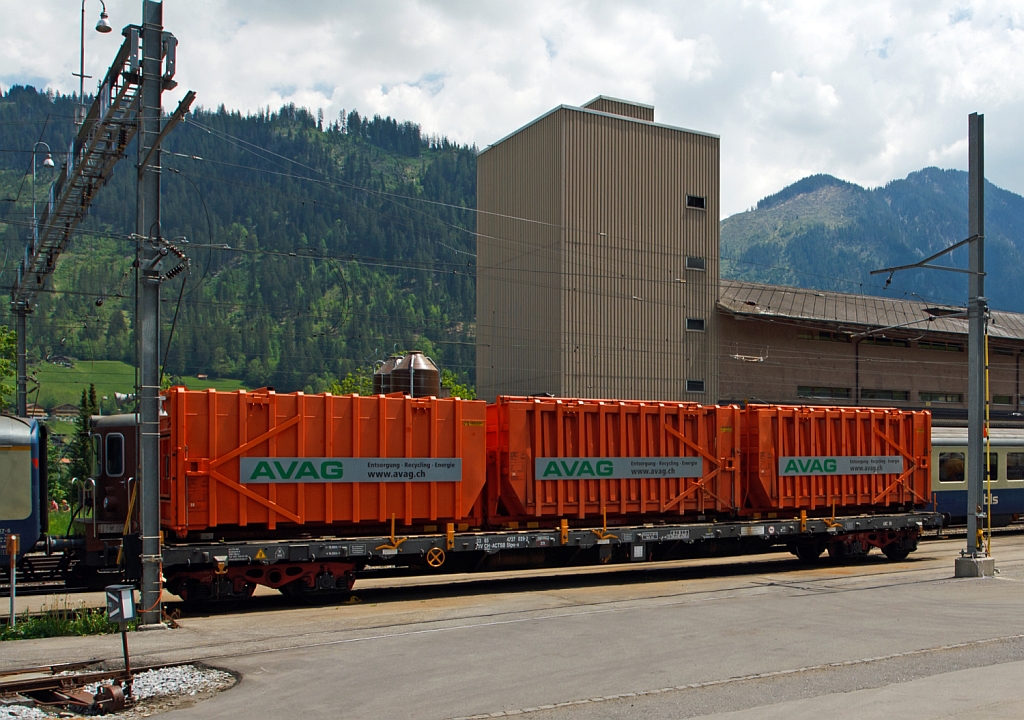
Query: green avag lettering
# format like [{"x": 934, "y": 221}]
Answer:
[
  {"x": 570, "y": 471},
  {"x": 332, "y": 470},
  {"x": 551, "y": 469},
  {"x": 586, "y": 469},
  {"x": 791, "y": 467},
  {"x": 262, "y": 470},
  {"x": 307, "y": 470},
  {"x": 291, "y": 469}
]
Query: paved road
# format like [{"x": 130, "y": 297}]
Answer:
[{"x": 760, "y": 638}]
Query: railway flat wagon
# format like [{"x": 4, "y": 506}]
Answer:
[
  {"x": 829, "y": 459},
  {"x": 246, "y": 463},
  {"x": 585, "y": 460},
  {"x": 302, "y": 492}
]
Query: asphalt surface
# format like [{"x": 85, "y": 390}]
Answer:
[{"x": 762, "y": 637}]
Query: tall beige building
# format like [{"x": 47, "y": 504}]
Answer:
[{"x": 597, "y": 257}]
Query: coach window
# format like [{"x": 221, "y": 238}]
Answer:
[
  {"x": 115, "y": 455},
  {"x": 1014, "y": 466},
  {"x": 951, "y": 467},
  {"x": 97, "y": 456}
]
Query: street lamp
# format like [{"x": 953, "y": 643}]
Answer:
[
  {"x": 47, "y": 162},
  {"x": 102, "y": 26}
]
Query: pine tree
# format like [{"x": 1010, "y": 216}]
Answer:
[{"x": 82, "y": 454}]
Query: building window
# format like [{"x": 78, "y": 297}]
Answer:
[
  {"x": 697, "y": 202},
  {"x": 869, "y": 394},
  {"x": 951, "y": 347},
  {"x": 822, "y": 335},
  {"x": 694, "y": 325},
  {"x": 1002, "y": 399},
  {"x": 886, "y": 342},
  {"x": 823, "y": 393},
  {"x": 938, "y": 397},
  {"x": 694, "y": 386},
  {"x": 951, "y": 467},
  {"x": 696, "y": 263}
]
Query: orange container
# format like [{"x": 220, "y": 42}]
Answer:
[
  {"x": 262, "y": 460},
  {"x": 817, "y": 458},
  {"x": 553, "y": 458}
]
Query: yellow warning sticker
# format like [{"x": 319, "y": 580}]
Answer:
[{"x": 260, "y": 555}]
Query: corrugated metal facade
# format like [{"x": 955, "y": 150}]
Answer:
[
  {"x": 584, "y": 231},
  {"x": 603, "y": 103}
]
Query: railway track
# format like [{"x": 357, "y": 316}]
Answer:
[
  {"x": 38, "y": 574},
  {"x": 65, "y": 686}
]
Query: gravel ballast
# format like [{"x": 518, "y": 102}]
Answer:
[{"x": 150, "y": 690}]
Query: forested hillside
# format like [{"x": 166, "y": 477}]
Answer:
[
  {"x": 321, "y": 245},
  {"x": 317, "y": 245},
  {"x": 828, "y": 234}
]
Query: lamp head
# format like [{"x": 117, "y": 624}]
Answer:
[
  {"x": 48, "y": 161},
  {"x": 103, "y": 25}
]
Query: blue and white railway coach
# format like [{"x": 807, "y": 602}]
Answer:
[
  {"x": 23, "y": 488},
  {"x": 949, "y": 474}
]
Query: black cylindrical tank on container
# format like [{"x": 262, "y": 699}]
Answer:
[
  {"x": 382, "y": 375},
  {"x": 416, "y": 375}
]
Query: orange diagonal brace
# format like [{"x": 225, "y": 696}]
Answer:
[
  {"x": 899, "y": 481},
  {"x": 699, "y": 484},
  {"x": 254, "y": 442},
  {"x": 242, "y": 490},
  {"x": 899, "y": 449},
  {"x": 696, "y": 448}
]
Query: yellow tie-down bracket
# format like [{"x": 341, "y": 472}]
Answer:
[
  {"x": 603, "y": 534},
  {"x": 394, "y": 543}
]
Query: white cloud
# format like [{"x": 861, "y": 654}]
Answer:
[{"x": 867, "y": 91}]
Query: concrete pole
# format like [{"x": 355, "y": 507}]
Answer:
[
  {"x": 148, "y": 321},
  {"x": 976, "y": 329},
  {"x": 973, "y": 561}
]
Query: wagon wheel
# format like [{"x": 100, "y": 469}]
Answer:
[{"x": 435, "y": 557}]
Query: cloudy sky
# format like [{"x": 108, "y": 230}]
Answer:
[{"x": 867, "y": 91}]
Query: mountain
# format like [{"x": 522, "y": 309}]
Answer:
[
  {"x": 316, "y": 246},
  {"x": 828, "y": 234}
]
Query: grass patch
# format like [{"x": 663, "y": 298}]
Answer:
[
  {"x": 59, "y": 384},
  {"x": 59, "y": 522},
  {"x": 62, "y": 620},
  {"x": 194, "y": 383}
]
